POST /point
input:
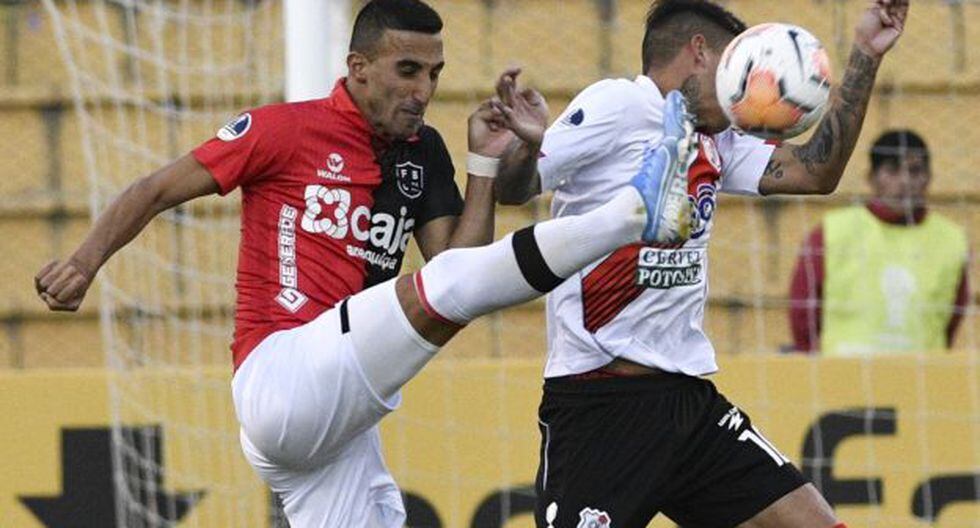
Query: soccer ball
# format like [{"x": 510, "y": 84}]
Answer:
[{"x": 773, "y": 81}]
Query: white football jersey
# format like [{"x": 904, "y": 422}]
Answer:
[{"x": 645, "y": 304}]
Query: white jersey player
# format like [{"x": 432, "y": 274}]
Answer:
[
  {"x": 590, "y": 152},
  {"x": 629, "y": 428}
]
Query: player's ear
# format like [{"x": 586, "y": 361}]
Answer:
[
  {"x": 357, "y": 64},
  {"x": 699, "y": 51}
]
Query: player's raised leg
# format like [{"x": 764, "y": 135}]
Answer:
[{"x": 460, "y": 285}]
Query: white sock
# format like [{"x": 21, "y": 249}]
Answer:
[
  {"x": 389, "y": 350},
  {"x": 463, "y": 284}
]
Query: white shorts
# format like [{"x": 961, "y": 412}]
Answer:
[{"x": 309, "y": 420}]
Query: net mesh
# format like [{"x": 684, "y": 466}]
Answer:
[{"x": 152, "y": 79}]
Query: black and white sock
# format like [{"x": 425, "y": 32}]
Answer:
[{"x": 460, "y": 285}]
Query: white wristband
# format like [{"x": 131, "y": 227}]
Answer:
[{"x": 479, "y": 165}]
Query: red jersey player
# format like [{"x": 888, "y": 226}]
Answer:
[{"x": 325, "y": 335}]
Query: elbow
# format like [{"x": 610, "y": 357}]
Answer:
[
  {"x": 150, "y": 192},
  {"x": 827, "y": 189},
  {"x": 826, "y": 183}
]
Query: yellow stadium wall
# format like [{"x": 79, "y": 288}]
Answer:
[{"x": 467, "y": 429}]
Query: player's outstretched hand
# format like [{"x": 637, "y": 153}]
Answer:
[
  {"x": 524, "y": 111},
  {"x": 62, "y": 285},
  {"x": 880, "y": 26},
  {"x": 488, "y": 135}
]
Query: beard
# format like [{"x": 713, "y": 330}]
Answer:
[{"x": 691, "y": 90}]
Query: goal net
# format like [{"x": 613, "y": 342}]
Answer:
[
  {"x": 891, "y": 440},
  {"x": 151, "y": 80}
]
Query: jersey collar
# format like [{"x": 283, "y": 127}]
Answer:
[
  {"x": 891, "y": 216},
  {"x": 649, "y": 87},
  {"x": 341, "y": 100}
]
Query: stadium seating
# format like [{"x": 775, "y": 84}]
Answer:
[{"x": 44, "y": 187}]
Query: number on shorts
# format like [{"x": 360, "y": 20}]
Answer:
[{"x": 753, "y": 435}]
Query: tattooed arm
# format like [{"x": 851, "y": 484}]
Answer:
[{"x": 816, "y": 166}]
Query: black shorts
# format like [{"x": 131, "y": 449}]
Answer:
[{"x": 615, "y": 452}]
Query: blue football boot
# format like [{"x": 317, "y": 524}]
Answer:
[{"x": 662, "y": 179}]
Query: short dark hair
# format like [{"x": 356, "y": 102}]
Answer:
[
  {"x": 380, "y": 15},
  {"x": 894, "y": 145},
  {"x": 672, "y": 23}
]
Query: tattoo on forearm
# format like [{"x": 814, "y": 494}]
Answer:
[
  {"x": 819, "y": 150},
  {"x": 833, "y": 141},
  {"x": 858, "y": 82},
  {"x": 774, "y": 168}
]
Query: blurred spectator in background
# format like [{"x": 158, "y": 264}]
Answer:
[{"x": 887, "y": 277}]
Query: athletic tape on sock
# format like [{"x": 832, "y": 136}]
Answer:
[{"x": 532, "y": 264}]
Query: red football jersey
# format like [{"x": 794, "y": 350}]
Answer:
[{"x": 326, "y": 211}]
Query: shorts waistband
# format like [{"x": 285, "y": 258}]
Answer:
[{"x": 598, "y": 381}]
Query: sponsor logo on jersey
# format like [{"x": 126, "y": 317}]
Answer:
[
  {"x": 235, "y": 128},
  {"x": 289, "y": 296},
  {"x": 319, "y": 198},
  {"x": 335, "y": 164},
  {"x": 329, "y": 211},
  {"x": 410, "y": 178},
  {"x": 662, "y": 269},
  {"x": 373, "y": 257},
  {"x": 591, "y": 518},
  {"x": 575, "y": 118}
]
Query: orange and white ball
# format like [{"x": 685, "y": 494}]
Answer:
[{"x": 773, "y": 81}]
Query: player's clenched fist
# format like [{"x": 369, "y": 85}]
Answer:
[
  {"x": 880, "y": 26},
  {"x": 62, "y": 285}
]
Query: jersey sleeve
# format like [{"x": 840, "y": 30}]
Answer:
[
  {"x": 584, "y": 132},
  {"x": 743, "y": 161},
  {"x": 442, "y": 197},
  {"x": 251, "y": 146}
]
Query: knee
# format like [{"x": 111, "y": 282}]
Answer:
[{"x": 284, "y": 433}]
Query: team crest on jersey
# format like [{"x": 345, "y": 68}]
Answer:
[
  {"x": 710, "y": 151},
  {"x": 704, "y": 209},
  {"x": 591, "y": 518},
  {"x": 410, "y": 178},
  {"x": 236, "y": 128},
  {"x": 702, "y": 186}
]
